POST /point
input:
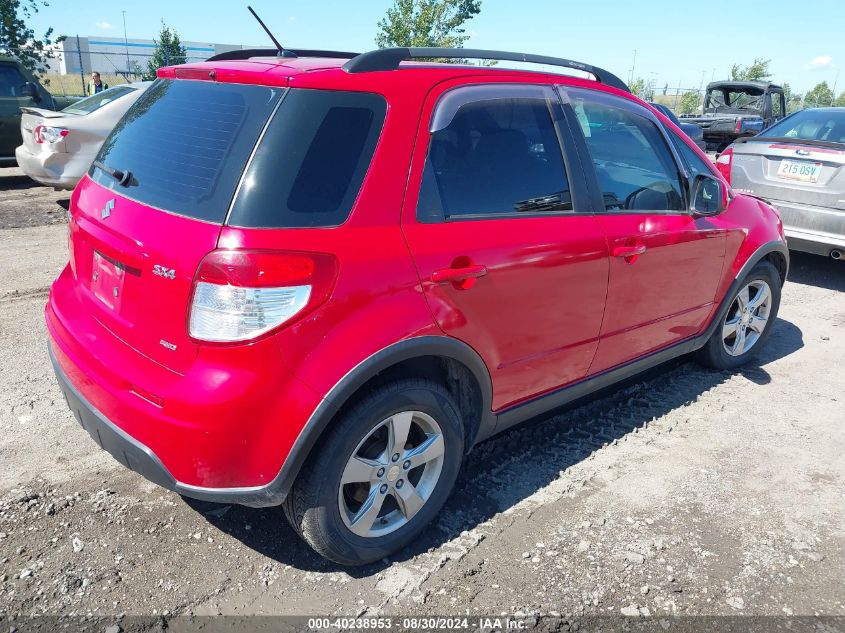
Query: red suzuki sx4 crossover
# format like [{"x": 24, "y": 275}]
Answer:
[{"x": 318, "y": 280}]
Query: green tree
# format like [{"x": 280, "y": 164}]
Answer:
[
  {"x": 820, "y": 95},
  {"x": 426, "y": 23},
  {"x": 793, "y": 99},
  {"x": 690, "y": 101},
  {"x": 637, "y": 87},
  {"x": 758, "y": 71},
  {"x": 18, "y": 40},
  {"x": 840, "y": 101},
  {"x": 169, "y": 52},
  {"x": 665, "y": 89}
]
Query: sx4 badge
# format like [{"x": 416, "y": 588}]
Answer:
[{"x": 167, "y": 273}]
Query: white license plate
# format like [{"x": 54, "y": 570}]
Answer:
[{"x": 802, "y": 170}]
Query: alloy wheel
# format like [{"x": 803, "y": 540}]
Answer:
[
  {"x": 747, "y": 318},
  {"x": 391, "y": 474}
]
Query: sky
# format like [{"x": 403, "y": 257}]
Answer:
[{"x": 677, "y": 43}]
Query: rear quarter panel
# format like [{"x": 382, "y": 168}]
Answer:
[{"x": 377, "y": 300}]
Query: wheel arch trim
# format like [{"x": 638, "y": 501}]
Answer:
[{"x": 358, "y": 376}]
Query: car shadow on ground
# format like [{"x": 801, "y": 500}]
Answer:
[
  {"x": 15, "y": 181},
  {"x": 508, "y": 468},
  {"x": 815, "y": 270}
]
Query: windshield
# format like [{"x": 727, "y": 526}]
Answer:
[
  {"x": 97, "y": 101},
  {"x": 811, "y": 125},
  {"x": 736, "y": 99}
]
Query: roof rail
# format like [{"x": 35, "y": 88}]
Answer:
[
  {"x": 246, "y": 53},
  {"x": 390, "y": 58}
]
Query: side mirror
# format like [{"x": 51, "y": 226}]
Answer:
[
  {"x": 29, "y": 90},
  {"x": 708, "y": 195}
]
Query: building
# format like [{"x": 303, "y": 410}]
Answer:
[{"x": 112, "y": 55}]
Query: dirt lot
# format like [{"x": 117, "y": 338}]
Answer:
[{"x": 689, "y": 492}]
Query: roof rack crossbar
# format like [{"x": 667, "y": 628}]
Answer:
[
  {"x": 246, "y": 53},
  {"x": 390, "y": 59}
]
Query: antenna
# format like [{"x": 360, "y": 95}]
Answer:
[{"x": 279, "y": 47}]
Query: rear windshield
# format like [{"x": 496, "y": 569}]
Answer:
[
  {"x": 186, "y": 144},
  {"x": 311, "y": 162},
  {"x": 811, "y": 125},
  {"x": 97, "y": 101}
]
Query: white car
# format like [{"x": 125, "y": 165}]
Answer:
[{"x": 59, "y": 147}]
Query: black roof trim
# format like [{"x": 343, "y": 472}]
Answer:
[
  {"x": 390, "y": 59},
  {"x": 763, "y": 85},
  {"x": 247, "y": 53}
]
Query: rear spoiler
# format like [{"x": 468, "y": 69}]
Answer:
[{"x": 46, "y": 114}]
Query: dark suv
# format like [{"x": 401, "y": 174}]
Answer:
[{"x": 320, "y": 281}]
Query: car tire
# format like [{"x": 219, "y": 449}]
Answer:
[
  {"x": 753, "y": 321},
  {"x": 333, "y": 517}
]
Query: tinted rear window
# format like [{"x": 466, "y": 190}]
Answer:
[
  {"x": 309, "y": 166},
  {"x": 186, "y": 144},
  {"x": 11, "y": 81}
]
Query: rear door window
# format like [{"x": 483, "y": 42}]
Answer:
[
  {"x": 494, "y": 151},
  {"x": 310, "y": 164},
  {"x": 635, "y": 167},
  {"x": 186, "y": 144}
]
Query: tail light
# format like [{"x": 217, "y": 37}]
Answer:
[
  {"x": 723, "y": 163},
  {"x": 48, "y": 134},
  {"x": 240, "y": 295},
  {"x": 738, "y": 126}
]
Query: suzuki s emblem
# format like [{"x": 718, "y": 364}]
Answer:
[
  {"x": 802, "y": 152},
  {"x": 167, "y": 273},
  {"x": 106, "y": 212}
]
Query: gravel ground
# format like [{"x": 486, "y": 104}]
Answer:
[{"x": 688, "y": 492}]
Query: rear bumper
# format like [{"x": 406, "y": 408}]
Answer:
[
  {"x": 61, "y": 170},
  {"x": 223, "y": 431},
  {"x": 812, "y": 229},
  {"x": 139, "y": 458}
]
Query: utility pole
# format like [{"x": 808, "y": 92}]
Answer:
[
  {"x": 633, "y": 68},
  {"x": 81, "y": 71},
  {"x": 126, "y": 45},
  {"x": 835, "y": 81}
]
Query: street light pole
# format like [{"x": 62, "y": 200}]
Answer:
[{"x": 126, "y": 44}]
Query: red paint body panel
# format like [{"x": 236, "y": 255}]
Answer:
[
  {"x": 663, "y": 295},
  {"x": 226, "y": 416}
]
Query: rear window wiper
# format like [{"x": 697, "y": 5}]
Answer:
[{"x": 122, "y": 177}]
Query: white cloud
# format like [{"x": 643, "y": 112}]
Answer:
[
  {"x": 822, "y": 62},
  {"x": 105, "y": 26}
]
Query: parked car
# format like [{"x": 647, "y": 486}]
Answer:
[
  {"x": 319, "y": 282},
  {"x": 59, "y": 147},
  {"x": 690, "y": 129},
  {"x": 738, "y": 109},
  {"x": 798, "y": 166},
  {"x": 20, "y": 88}
]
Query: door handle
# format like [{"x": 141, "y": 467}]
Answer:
[
  {"x": 446, "y": 275},
  {"x": 629, "y": 251}
]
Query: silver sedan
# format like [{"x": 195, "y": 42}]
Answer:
[
  {"x": 59, "y": 147},
  {"x": 798, "y": 165}
]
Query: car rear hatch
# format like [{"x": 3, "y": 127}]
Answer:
[
  {"x": 791, "y": 170},
  {"x": 153, "y": 205}
]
